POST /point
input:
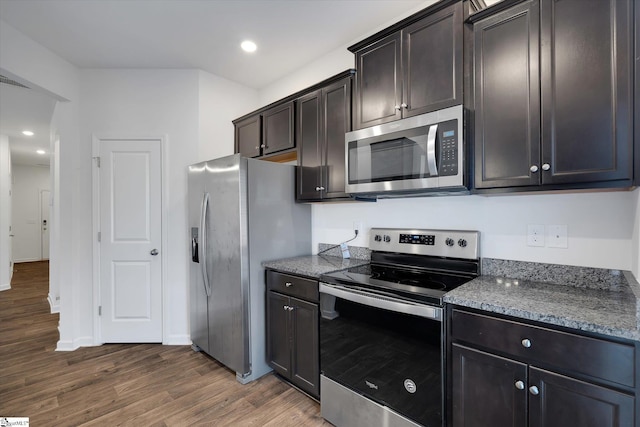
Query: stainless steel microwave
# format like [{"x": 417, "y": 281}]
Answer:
[{"x": 413, "y": 156}]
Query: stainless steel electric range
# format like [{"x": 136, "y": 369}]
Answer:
[{"x": 381, "y": 329}]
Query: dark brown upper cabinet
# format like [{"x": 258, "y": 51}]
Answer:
[
  {"x": 248, "y": 136},
  {"x": 553, "y": 100},
  {"x": 278, "y": 127},
  {"x": 411, "y": 68},
  {"x": 324, "y": 116},
  {"x": 266, "y": 133}
]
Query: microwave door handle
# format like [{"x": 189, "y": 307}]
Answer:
[{"x": 431, "y": 150}]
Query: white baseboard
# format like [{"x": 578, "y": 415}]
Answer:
[
  {"x": 55, "y": 307},
  {"x": 71, "y": 345},
  {"x": 18, "y": 261},
  {"x": 178, "y": 340},
  {"x": 5, "y": 286}
]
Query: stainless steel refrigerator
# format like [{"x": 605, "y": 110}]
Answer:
[{"x": 241, "y": 212}]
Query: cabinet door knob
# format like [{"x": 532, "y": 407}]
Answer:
[
  {"x": 257, "y": 147},
  {"x": 520, "y": 385},
  {"x": 546, "y": 167},
  {"x": 526, "y": 343},
  {"x": 263, "y": 146},
  {"x": 286, "y": 307},
  {"x": 534, "y": 168},
  {"x": 290, "y": 308},
  {"x": 397, "y": 107},
  {"x": 288, "y": 284},
  {"x": 534, "y": 390},
  {"x": 403, "y": 105}
]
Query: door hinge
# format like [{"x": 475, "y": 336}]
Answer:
[
  {"x": 99, "y": 236},
  {"x": 97, "y": 161},
  {"x": 99, "y": 310}
]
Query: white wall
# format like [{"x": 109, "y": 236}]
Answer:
[
  {"x": 220, "y": 101},
  {"x": 6, "y": 265},
  {"x": 28, "y": 181},
  {"x": 600, "y": 225},
  {"x": 130, "y": 103}
]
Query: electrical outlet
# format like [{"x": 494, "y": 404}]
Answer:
[
  {"x": 557, "y": 236},
  {"x": 357, "y": 227},
  {"x": 535, "y": 235}
]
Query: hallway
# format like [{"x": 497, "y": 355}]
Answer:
[{"x": 123, "y": 384}]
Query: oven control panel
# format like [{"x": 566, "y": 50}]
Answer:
[
  {"x": 418, "y": 239},
  {"x": 446, "y": 243}
]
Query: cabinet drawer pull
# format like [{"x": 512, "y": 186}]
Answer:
[
  {"x": 288, "y": 284},
  {"x": 526, "y": 343},
  {"x": 534, "y": 390},
  {"x": 534, "y": 168},
  {"x": 519, "y": 385}
]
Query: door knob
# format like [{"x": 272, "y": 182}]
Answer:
[{"x": 154, "y": 252}]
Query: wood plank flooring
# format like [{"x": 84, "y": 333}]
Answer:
[{"x": 123, "y": 384}]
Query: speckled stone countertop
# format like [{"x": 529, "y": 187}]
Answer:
[
  {"x": 594, "y": 300},
  {"x": 313, "y": 265}
]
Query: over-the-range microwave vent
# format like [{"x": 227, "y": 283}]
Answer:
[{"x": 6, "y": 80}]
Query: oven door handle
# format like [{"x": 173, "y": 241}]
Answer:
[{"x": 383, "y": 302}]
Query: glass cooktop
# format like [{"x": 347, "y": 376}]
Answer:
[{"x": 405, "y": 282}]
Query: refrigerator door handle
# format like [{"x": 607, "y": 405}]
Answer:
[{"x": 203, "y": 243}]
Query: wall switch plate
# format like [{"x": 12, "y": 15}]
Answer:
[
  {"x": 557, "y": 236},
  {"x": 535, "y": 235}
]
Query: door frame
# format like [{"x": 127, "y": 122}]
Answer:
[
  {"x": 40, "y": 205},
  {"x": 95, "y": 208}
]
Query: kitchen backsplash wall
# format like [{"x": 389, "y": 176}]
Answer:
[{"x": 600, "y": 225}]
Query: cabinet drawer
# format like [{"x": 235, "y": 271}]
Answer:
[
  {"x": 606, "y": 360},
  {"x": 293, "y": 285}
]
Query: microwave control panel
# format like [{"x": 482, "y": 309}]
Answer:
[{"x": 448, "y": 145}]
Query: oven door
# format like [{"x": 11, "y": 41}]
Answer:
[{"x": 384, "y": 349}]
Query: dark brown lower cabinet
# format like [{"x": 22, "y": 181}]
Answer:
[
  {"x": 509, "y": 373},
  {"x": 292, "y": 331}
]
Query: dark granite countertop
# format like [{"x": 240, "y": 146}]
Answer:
[
  {"x": 313, "y": 265},
  {"x": 608, "y": 311}
]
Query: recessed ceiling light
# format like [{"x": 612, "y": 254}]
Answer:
[
  {"x": 248, "y": 46},
  {"x": 40, "y": 151},
  {"x": 27, "y": 133}
]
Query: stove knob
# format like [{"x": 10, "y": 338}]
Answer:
[
  {"x": 462, "y": 243},
  {"x": 387, "y": 239},
  {"x": 449, "y": 241},
  {"x": 378, "y": 238}
]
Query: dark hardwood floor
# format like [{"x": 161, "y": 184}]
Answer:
[{"x": 123, "y": 384}]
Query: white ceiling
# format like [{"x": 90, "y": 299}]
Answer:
[{"x": 204, "y": 34}]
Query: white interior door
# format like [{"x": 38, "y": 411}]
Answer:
[
  {"x": 45, "y": 224},
  {"x": 130, "y": 243}
]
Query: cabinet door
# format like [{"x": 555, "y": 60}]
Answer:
[
  {"x": 305, "y": 367},
  {"x": 378, "y": 83},
  {"x": 309, "y": 139},
  {"x": 247, "y": 135},
  {"x": 337, "y": 122},
  {"x": 432, "y": 62},
  {"x": 485, "y": 390},
  {"x": 278, "y": 337},
  {"x": 586, "y": 74},
  {"x": 507, "y": 98},
  {"x": 562, "y": 401},
  {"x": 277, "y": 128}
]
